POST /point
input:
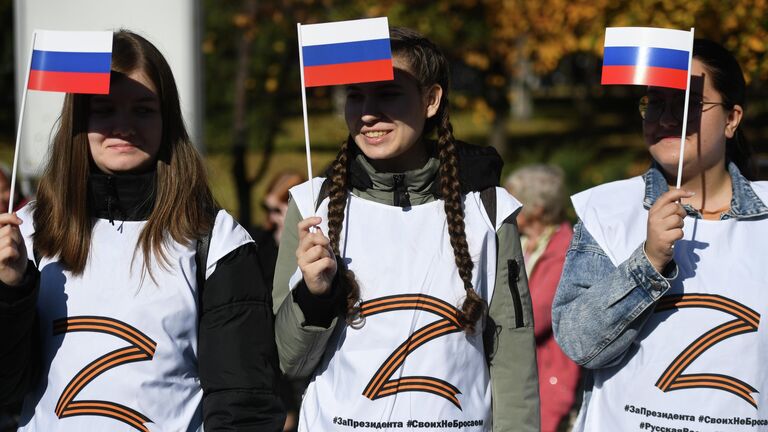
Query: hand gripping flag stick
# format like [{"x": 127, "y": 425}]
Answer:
[
  {"x": 652, "y": 57},
  {"x": 338, "y": 53},
  {"x": 68, "y": 62}
]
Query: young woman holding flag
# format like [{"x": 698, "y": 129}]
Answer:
[
  {"x": 663, "y": 289},
  {"x": 388, "y": 311},
  {"x": 103, "y": 315}
]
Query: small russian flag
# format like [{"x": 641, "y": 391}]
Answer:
[
  {"x": 647, "y": 56},
  {"x": 346, "y": 52},
  {"x": 71, "y": 61}
]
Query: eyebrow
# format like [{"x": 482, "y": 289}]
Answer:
[{"x": 107, "y": 99}]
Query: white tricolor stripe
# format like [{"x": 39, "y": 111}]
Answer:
[
  {"x": 648, "y": 37},
  {"x": 344, "y": 31},
  {"x": 74, "y": 41}
]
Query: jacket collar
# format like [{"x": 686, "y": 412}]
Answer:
[
  {"x": 128, "y": 197},
  {"x": 479, "y": 168},
  {"x": 744, "y": 204}
]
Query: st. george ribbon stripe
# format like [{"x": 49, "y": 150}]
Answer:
[
  {"x": 54, "y": 61},
  {"x": 656, "y": 57},
  {"x": 347, "y": 52}
]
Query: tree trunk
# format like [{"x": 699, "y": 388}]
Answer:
[{"x": 240, "y": 124}]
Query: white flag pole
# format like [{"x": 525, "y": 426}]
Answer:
[
  {"x": 685, "y": 117},
  {"x": 21, "y": 122},
  {"x": 306, "y": 120}
]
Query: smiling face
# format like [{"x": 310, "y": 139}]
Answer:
[
  {"x": 709, "y": 125},
  {"x": 386, "y": 119},
  {"x": 125, "y": 127}
]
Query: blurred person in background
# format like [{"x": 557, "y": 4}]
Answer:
[
  {"x": 545, "y": 235},
  {"x": 275, "y": 206},
  {"x": 19, "y": 200}
]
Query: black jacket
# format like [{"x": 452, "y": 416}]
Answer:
[{"x": 237, "y": 357}]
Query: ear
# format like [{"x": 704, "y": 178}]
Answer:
[
  {"x": 433, "y": 97},
  {"x": 733, "y": 121}
]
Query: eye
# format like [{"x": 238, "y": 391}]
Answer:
[
  {"x": 389, "y": 94},
  {"x": 145, "y": 109},
  {"x": 102, "y": 109},
  {"x": 354, "y": 95}
]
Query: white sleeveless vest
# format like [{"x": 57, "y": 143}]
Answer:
[
  {"x": 701, "y": 361},
  {"x": 409, "y": 366},
  {"x": 119, "y": 349}
]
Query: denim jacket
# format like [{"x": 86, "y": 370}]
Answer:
[{"x": 590, "y": 324}]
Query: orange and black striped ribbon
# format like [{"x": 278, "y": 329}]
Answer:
[
  {"x": 141, "y": 348},
  {"x": 381, "y": 384},
  {"x": 747, "y": 321}
]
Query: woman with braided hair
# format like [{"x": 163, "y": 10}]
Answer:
[{"x": 413, "y": 312}]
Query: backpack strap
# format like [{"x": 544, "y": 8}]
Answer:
[
  {"x": 36, "y": 255},
  {"x": 201, "y": 260},
  {"x": 325, "y": 191},
  {"x": 488, "y": 197}
]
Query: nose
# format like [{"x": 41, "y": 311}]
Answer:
[
  {"x": 667, "y": 119},
  {"x": 123, "y": 125},
  {"x": 370, "y": 110}
]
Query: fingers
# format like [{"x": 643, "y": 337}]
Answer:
[
  {"x": 10, "y": 219},
  {"x": 672, "y": 196},
  {"x": 309, "y": 239},
  {"x": 666, "y": 220}
]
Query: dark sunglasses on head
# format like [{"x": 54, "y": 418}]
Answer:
[{"x": 652, "y": 107}]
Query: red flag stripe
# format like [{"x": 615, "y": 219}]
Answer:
[
  {"x": 654, "y": 76},
  {"x": 69, "y": 82},
  {"x": 348, "y": 73}
]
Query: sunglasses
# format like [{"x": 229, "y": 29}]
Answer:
[
  {"x": 652, "y": 107},
  {"x": 271, "y": 210}
]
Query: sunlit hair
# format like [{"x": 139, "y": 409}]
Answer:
[
  {"x": 429, "y": 66},
  {"x": 727, "y": 78},
  {"x": 184, "y": 206},
  {"x": 540, "y": 186}
]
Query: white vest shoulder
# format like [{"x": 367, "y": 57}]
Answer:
[{"x": 614, "y": 215}]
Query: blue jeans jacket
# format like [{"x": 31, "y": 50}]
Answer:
[{"x": 599, "y": 308}]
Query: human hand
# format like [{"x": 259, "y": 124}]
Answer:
[
  {"x": 13, "y": 252},
  {"x": 665, "y": 227},
  {"x": 315, "y": 257}
]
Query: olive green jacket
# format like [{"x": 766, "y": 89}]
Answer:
[{"x": 509, "y": 326}]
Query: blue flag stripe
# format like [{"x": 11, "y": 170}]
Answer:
[
  {"x": 56, "y": 61},
  {"x": 657, "y": 57},
  {"x": 347, "y": 52}
]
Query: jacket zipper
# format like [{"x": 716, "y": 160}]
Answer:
[
  {"x": 401, "y": 197},
  {"x": 513, "y": 273}
]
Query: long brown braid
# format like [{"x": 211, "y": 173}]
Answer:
[
  {"x": 429, "y": 66},
  {"x": 337, "y": 204}
]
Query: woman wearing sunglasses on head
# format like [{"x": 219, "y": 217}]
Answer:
[{"x": 663, "y": 288}]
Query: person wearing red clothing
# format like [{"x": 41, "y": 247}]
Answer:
[{"x": 545, "y": 239}]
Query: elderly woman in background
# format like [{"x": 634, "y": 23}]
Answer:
[{"x": 545, "y": 239}]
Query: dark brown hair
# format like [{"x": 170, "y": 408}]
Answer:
[
  {"x": 184, "y": 206},
  {"x": 429, "y": 66},
  {"x": 728, "y": 79}
]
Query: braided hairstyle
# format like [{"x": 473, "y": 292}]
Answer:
[{"x": 429, "y": 66}]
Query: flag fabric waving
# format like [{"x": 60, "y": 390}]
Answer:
[
  {"x": 346, "y": 52},
  {"x": 647, "y": 56},
  {"x": 71, "y": 61}
]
